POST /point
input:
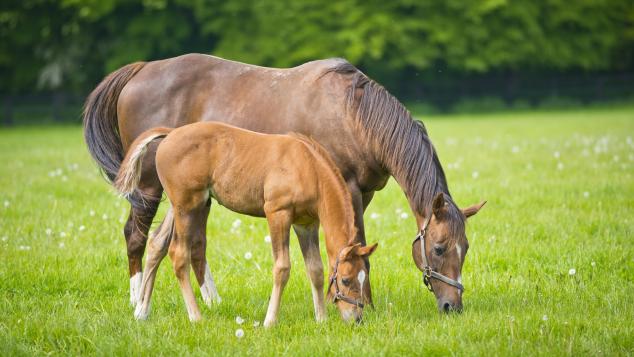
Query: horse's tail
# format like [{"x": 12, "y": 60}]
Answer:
[
  {"x": 129, "y": 174},
  {"x": 101, "y": 127}
]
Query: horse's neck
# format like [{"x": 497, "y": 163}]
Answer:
[
  {"x": 335, "y": 214},
  {"x": 420, "y": 175}
]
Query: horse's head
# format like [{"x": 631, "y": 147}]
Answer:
[
  {"x": 349, "y": 280},
  {"x": 445, "y": 248}
]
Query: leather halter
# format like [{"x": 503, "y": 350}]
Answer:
[
  {"x": 428, "y": 271},
  {"x": 338, "y": 294}
]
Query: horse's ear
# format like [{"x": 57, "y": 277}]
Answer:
[
  {"x": 438, "y": 205},
  {"x": 349, "y": 250},
  {"x": 471, "y": 210},
  {"x": 367, "y": 250}
]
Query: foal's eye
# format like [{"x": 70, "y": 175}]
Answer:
[
  {"x": 346, "y": 281},
  {"x": 439, "y": 250}
]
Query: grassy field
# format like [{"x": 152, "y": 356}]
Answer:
[{"x": 550, "y": 269}]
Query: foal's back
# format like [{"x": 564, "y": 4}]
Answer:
[{"x": 241, "y": 169}]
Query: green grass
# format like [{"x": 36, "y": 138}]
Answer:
[{"x": 66, "y": 291}]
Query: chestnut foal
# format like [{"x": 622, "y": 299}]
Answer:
[{"x": 289, "y": 179}]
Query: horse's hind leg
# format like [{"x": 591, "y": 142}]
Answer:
[
  {"x": 308, "y": 237},
  {"x": 136, "y": 233},
  {"x": 158, "y": 246},
  {"x": 188, "y": 224},
  {"x": 142, "y": 213},
  {"x": 279, "y": 226},
  {"x": 201, "y": 267}
]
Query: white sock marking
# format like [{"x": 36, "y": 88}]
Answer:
[{"x": 135, "y": 288}]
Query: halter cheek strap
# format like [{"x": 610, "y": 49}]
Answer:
[
  {"x": 338, "y": 294},
  {"x": 428, "y": 272}
]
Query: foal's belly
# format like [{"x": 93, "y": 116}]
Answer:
[{"x": 239, "y": 200}]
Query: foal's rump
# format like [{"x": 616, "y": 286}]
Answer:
[{"x": 129, "y": 174}]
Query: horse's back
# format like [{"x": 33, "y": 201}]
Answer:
[{"x": 196, "y": 87}]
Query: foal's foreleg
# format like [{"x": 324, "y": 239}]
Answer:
[
  {"x": 279, "y": 226},
  {"x": 308, "y": 237},
  {"x": 201, "y": 267}
]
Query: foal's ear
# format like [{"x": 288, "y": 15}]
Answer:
[
  {"x": 438, "y": 205},
  {"x": 367, "y": 250},
  {"x": 471, "y": 210}
]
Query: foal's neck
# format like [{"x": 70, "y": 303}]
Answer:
[{"x": 335, "y": 213}]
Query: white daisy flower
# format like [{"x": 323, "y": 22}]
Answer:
[
  {"x": 404, "y": 215},
  {"x": 267, "y": 239},
  {"x": 239, "y": 333},
  {"x": 248, "y": 255},
  {"x": 236, "y": 224},
  {"x": 572, "y": 271},
  {"x": 48, "y": 231},
  {"x": 374, "y": 215},
  {"x": 239, "y": 320}
]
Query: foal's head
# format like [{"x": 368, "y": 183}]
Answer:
[
  {"x": 350, "y": 283},
  {"x": 446, "y": 246}
]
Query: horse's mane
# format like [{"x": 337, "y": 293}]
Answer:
[
  {"x": 344, "y": 193},
  {"x": 400, "y": 143}
]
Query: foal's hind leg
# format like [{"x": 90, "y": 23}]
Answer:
[
  {"x": 308, "y": 237},
  {"x": 187, "y": 223},
  {"x": 279, "y": 226},
  {"x": 201, "y": 267},
  {"x": 158, "y": 246}
]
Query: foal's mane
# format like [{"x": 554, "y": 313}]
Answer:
[
  {"x": 343, "y": 193},
  {"x": 400, "y": 143}
]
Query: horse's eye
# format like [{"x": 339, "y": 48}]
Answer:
[
  {"x": 439, "y": 251},
  {"x": 346, "y": 281}
]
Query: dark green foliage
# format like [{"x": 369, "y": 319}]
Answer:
[{"x": 71, "y": 44}]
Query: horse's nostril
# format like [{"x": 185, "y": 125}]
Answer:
[{"x": 446, "y": 307}]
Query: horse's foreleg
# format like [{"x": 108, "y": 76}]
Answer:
[
  {"x": 309, "y": 243},
  {"x": 201, "y": 267},
  {"x": 360, "y": 201},
  {"x": 279, "y": 226}
]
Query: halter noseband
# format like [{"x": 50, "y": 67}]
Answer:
[
  {"x": 428, "y": 271},
  {"x": 338, "y": 294}
]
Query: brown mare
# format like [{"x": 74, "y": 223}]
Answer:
[
  {"x": 289, "y": 179},
  {"x": 368, "y": 133}
]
